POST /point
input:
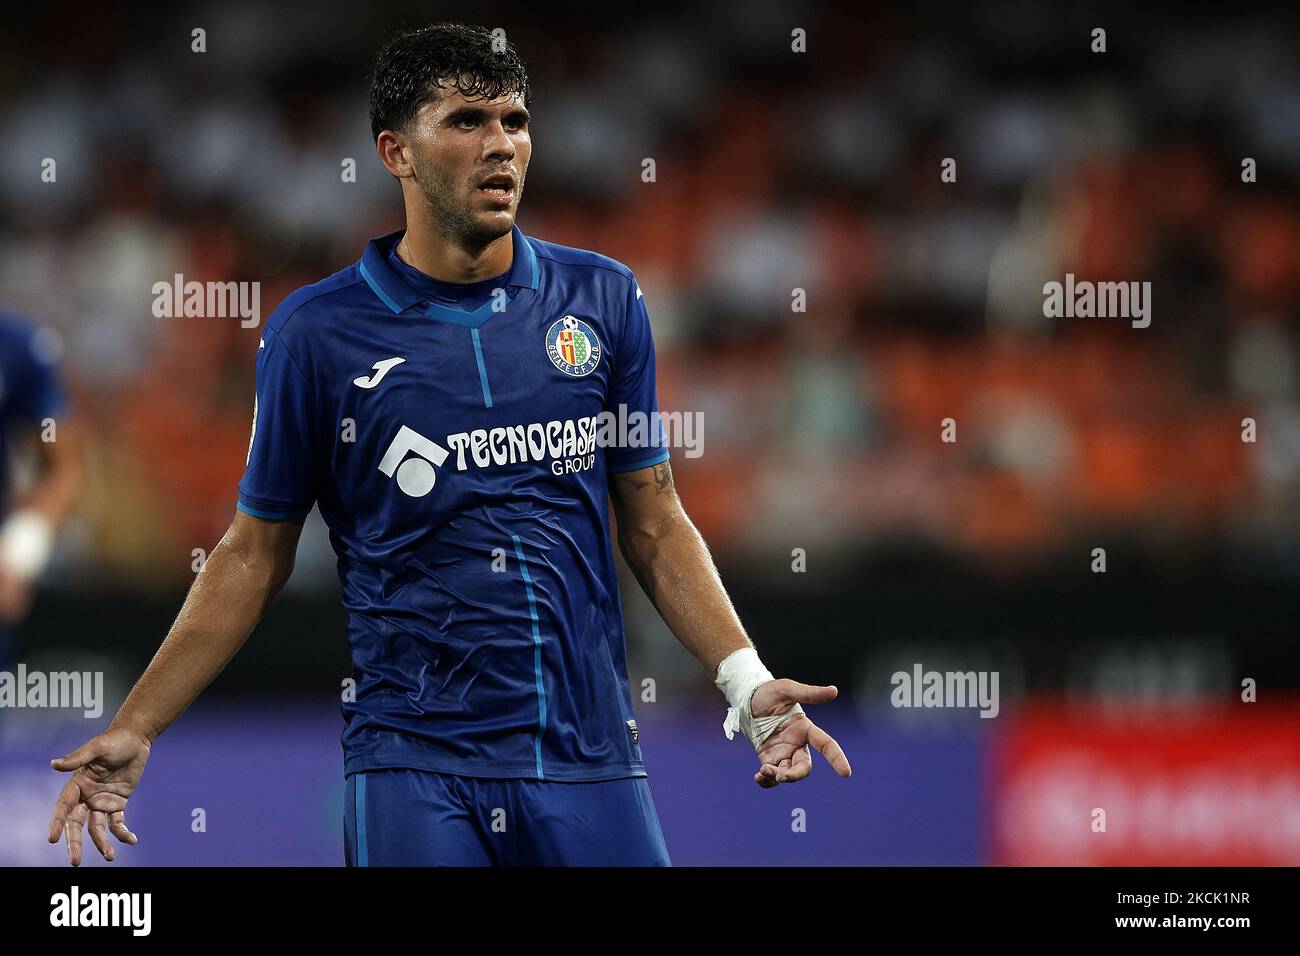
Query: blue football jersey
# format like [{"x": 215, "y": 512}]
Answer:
[{"x": 453, "y": 438}]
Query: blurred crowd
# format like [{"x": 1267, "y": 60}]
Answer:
[{"x": 774, "y": 171}]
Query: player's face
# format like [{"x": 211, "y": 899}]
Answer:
[{"x": 470, "y": 158}]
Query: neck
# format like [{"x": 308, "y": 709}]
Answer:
[{"x": 452, "y": 259}]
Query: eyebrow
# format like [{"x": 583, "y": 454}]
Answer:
[{"x": 478, "y": 113}]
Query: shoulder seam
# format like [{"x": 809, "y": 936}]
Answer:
[
  {"x": 541, "y": 254},
  {"x": 302, "y": 305},
  {"x": 292, "y": 360},
  {"x": 630, "y": 276},
  {"x": 318, "y": 295}
]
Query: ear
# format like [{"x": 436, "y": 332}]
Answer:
[{"x": 392, "y": 153}]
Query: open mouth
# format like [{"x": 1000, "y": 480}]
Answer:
[{"x": 500, "y": 189}]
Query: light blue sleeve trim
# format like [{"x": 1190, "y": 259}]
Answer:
[{"x": 271, "y": 515}]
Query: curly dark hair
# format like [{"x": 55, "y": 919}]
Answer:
[{"x": 410, "y": 65}]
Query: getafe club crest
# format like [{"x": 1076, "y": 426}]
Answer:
[{"x": 573, "y": 347}]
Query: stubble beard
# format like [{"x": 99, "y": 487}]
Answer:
[{"x": 451, "y": 214}]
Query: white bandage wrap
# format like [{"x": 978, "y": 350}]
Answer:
[
  {"x": 25, "y": 543},
  {"x": 739, "y": 675}
]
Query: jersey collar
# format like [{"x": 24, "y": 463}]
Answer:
[{"x": 394, "y": 291}]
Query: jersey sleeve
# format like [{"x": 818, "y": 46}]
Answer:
[
  {"x": 281, "y": 476},
  {"x": 633, "y": 386},
  {"x": 38, "y": 393}
]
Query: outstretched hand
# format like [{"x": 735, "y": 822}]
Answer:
[
  {"x": 784, "y": 757},
  {"x": 105, "y": 772}
]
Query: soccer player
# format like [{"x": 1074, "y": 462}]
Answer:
[
  {"x": 439, "y": 401},
  {"x": 33, "y": 407}
]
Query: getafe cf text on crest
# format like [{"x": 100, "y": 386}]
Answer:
[{"x": 573, "y": 347}]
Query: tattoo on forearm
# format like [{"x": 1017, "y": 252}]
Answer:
[{"x": 662, "y": 480}]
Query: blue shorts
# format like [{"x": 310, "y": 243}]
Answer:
[{"x": 421, "y": 818}]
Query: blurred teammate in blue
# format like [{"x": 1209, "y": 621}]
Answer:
[
  {"x": 33, "y": 420},
  {"x": 462, "y": 404}
]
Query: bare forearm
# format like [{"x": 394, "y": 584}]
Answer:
[
  {"x": 228, "y": 597},
  {"x": 676, "y": 571}
]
